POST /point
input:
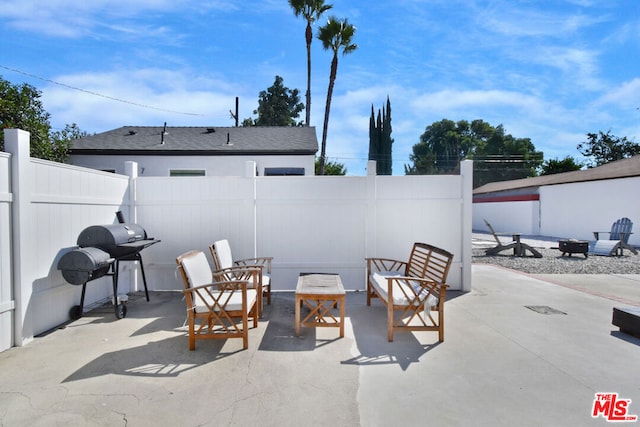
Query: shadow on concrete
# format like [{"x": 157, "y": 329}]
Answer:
[
  {"x": 626, "y": 337},
  {"x": 369, "y": 325},
  {"x": 280, "y": 332},
  {"x": 159, "y": 359}
]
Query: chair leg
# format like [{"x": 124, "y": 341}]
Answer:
[
  {"x": 245, "y": 326},
  {"x": 192, "y": 338},
  {"x": 390, "y": 320}
]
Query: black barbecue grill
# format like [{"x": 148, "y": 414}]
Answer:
[{"x": 100, "y": 250}]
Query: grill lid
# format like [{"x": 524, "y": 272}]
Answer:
[
  {"x": 116, "y": 239},
  {"x": 83, "y": 264},
  {"x": 111, "y": 234}
]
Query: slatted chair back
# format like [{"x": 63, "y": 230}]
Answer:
[
  {"x": 429, "y": 262},
  {"x": 621, "y": 230}
]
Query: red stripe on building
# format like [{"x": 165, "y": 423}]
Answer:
[{"x": 515, "y": 198}]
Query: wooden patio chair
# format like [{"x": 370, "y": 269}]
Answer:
[
  {"x": 618, "y": 239},
  {"x": 215, "y": 310},
  {"x": 519, "y": 248},
  {"x": 228, "y": 269},
  {"x": 411, "y": 290}
]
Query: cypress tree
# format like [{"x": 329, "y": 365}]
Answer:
[
  {"x": 380, "y": 139},
  {"x": 373, "y": 136}
]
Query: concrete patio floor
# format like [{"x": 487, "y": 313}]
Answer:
[{"x": 501, "y": 364}]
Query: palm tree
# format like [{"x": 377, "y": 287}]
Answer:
[
  {"x": 311, "y": 11},
  {"x": 335, "y": 35}
]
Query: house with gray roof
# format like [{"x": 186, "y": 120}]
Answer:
[
  {"x": 200, "y": 151},
  {"x": 570, "y": 204}
]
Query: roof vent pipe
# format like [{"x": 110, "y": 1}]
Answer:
[
  {"x": 164, "y": 132},
  {"x": 228, "y": 139}
]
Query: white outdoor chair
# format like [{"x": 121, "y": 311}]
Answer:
[
  {"x": 227, "y": 268},
  {"x": 215, "y": 310}
]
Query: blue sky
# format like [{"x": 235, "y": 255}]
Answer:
[{"x": 549, "y": 70}]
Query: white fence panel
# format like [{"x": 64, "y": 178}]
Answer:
[
  {"x": 64, "y": 201},
  {"x": 420, "y": 209},
  {"x": 191, "y": 213},
  {"x": 7, "y": 303},
  {"x": 313, "y": 225}
]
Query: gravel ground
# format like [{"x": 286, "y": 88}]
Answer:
[{"x": 552, "y": 262}]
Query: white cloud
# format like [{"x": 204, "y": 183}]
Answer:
[
  {"x": 74, "y": 18},
  {"x": 139, "y": 97},
  {"x": 513, "y": 20},
  {"x": 450, "y": 100},
  {"x": 626, "y": 95}
]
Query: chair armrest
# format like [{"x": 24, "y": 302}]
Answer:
[
  {"x": 596, "y": 234},
  {"x": 225, "y": 285},
  {"x": 417, "y": 289},
  {"x": 385, "y": 264},
  {"x": 215, "y": 297},
  {"x": 237, "y": 272},
  {"x": 255, "y": 262},
  {"x": 251, "y": 275}
]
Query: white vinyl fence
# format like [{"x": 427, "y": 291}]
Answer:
[
  {"x": 307, "y": 224},
  {"x": 51, "y": 204},
  {"x": 7, "y": 304}
]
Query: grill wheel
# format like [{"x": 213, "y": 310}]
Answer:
[{"x": 121, "y": 310}]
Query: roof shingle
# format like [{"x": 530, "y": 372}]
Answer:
[{"x": 201, "y": 140}]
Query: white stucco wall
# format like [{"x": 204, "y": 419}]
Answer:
[
  {"x": 213, "y": 165},
  {"x": 576, "y": 210},
  {"x": 573, "y": 210},
  {"x": 517, "y": 217}
]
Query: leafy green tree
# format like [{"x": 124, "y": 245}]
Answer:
[
  {"x": 277, "y": 106},
  {"x": 497, "y": 156},
  {"x": 62, "y": 140},
  {"x": 21, "y": 108},
  {"x": 334, "y": 35},
  {"x": 380, "y": 140},
  {"x": 331, "y": 168},
  {"x": 311, "y": 10},
  {"x": 554, "y": 166},
  {"x": 604, "y": 148},
  {"x": 442, "y": 146}
]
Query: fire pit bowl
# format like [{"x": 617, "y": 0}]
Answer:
[{"x": 573, "y": 246}]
